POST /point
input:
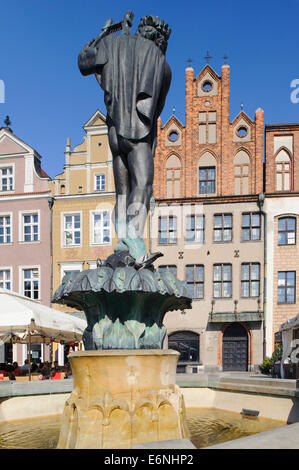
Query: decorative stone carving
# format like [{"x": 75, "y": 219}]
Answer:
[{"x": 121, "y": 398}]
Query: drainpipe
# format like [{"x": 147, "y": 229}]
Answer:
[
  {"x": 51, "y": 203},
  {"x": 261, "y": 200}
]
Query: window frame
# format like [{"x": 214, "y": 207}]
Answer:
[
  {"x": 24, "y": 214},
  {"x": 10, "y": 215},
  {"x": 76, "y": 266},
  {"x": 285, "y": 287},
  {"x": 63, "y": 229},
  {"x": 5, "y": 167},
  {"x": 22, "y": 270},
  {"x": 96, "y": 175},
  {"x": 168, "y": 230},
  {"x": 222, "y": 281},
  {"x": 250, "y": 281},
  {"x": 92, "y": 227},
  {"x": 196, "y": 230},
  {"x": 287, "y": 231},
  {"x": 168, "y": 268},
  {"x": 251, "y": 227},
  {"x": 224, "y": 214},
  {"x": 195, "y": 282},
  {"x": 207, "y": 181},
  {"x": 4, "y": 281}
]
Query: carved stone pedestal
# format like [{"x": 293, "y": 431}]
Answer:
[{"x": 121, "y": 398}]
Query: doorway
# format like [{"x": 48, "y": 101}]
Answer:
[{"x": 235, "y": 348}]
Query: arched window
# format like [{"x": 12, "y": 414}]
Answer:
[
  {"x": 287, "y": 231},
  {"x": 207, "y": 174},
  {"x": 283, "y": 170},
  {"x": 186, "y": 343},
  {"x": 173, "y": 175},
  {"x": 241, "y": 170}
]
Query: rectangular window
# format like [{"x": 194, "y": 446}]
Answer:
[
  {"x": 167, "y": 229},
  {"x": 195, "y": 280},
  {"x": 286, "y": 287},
  {"x": 250, "y": 280},
  {"x": 5, "y": 279},
  {"x": 195, "y": 228},
  {"x": 168, "y": 268},
  {"x": 223, "y": 227},
  {"x": 30, "y": 228},
  {"x": 6, "y": 179},
  {"x": 207, "y": 180},
  {"x": 287, "y": 231},
  {"x": 251, "y": 226},
  {"x": 100, "y": 182},
  {"x": 31, "y": 283},
  {"x": 5, "y": 229},
  {"x": 222, "y": 280},
  {"x": 101, "y": 228},
  {"x": 72, "y": 229}
]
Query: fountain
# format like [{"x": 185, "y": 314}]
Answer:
[{"x": 125, "y": 389}]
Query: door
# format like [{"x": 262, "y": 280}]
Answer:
[{"x": 235, "y": 348}]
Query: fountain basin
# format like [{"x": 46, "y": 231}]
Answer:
[{"x": 275, "y": 399}]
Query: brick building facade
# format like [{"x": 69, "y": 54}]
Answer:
[
  {"x": 282, "y": 208},
  {"x": 208, "y": 224}
]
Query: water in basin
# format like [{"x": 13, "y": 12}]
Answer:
[{"x": 207, "y": 426}]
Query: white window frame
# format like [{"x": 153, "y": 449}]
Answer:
[
  {"x": 7, "y": 268},
  {"x": 70, "y": 266},
  {"x": 92, "y": 228},
  {"x": 66, "y": 214},
  {"x": 2, "y": 167},
  {"x": 22, "y": 279},
  {"x": 22, "y": 214},
  {"x": 95, "y": 182},
  {"x": 8, "y": 214}
]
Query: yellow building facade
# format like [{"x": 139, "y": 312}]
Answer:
[{"x": 84, "y": 198}]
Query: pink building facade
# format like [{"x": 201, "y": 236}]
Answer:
[{"x": 25, "y": 226}]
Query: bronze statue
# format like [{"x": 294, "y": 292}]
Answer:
[
  {"x": 135, "y": 76},
  {"x": 125, "y": 299}
]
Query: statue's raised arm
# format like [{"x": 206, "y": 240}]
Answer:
[{"x": 87, "y": 56}]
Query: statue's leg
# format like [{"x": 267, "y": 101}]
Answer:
[
  {"x": 141, "y": 174},
  {"x": 122, "y": 189}
]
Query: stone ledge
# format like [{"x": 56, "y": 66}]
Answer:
[
  {"x": 262, "y": 390},
  {"x": 285, "y": 437}
]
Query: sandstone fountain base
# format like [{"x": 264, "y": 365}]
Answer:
[{"x": 121, "y": 398}]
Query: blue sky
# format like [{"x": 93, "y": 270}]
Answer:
[{"x": 48, "y": 100}]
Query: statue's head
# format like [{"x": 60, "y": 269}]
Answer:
[{"x": 153, "y": 28}]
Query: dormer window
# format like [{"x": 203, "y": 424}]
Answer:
[{"x": 6, "y": 179}]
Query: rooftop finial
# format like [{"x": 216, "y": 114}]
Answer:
[
  {"x": 242, "y": 106},
  {"x": 173, "y": 110},
  {"x": 225, "y": 57},
  {"x": 7, "y": 121},
  {"x": 189, "y": 62},
  {"x": 208, "y": 56}
]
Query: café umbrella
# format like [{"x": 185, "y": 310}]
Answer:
[{"x": 24, "y": 320}]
